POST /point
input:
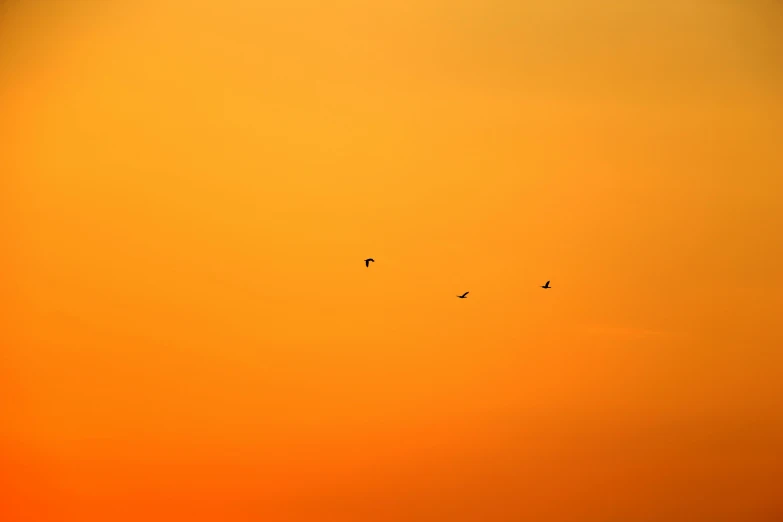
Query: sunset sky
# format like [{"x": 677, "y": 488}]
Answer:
[{"x": 188, "y": 190}]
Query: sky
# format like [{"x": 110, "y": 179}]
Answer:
[{"x": 188, "y": 190}]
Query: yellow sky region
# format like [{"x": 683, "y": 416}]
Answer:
[{"x": 189, "y": 189}]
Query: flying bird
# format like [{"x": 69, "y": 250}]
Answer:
[
  {"x": 546, "y": 286},
  {"x": 463, "y": 296},
  {"x": 368, "y": 261}
]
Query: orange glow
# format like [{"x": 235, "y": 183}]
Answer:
[{"x": 188, "y": 190}]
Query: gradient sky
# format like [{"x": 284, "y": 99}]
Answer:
[{"x": 188, "y": 190}]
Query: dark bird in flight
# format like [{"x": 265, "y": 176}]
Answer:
[
  {"x": 546, "y": 286},
  {"x": 368, "y": 261},
  {"x": 463, "y": 296}
]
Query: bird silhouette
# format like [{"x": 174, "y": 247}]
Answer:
[
  {"x": 463, "y": 296},
  {"x": 546, "y": 286},
  {"x": 368, "y": 261}
]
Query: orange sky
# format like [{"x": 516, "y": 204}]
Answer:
[{"x": 188, "y": 190}]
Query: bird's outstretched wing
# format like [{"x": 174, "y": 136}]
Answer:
[{"x": 547, "y": 283}]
